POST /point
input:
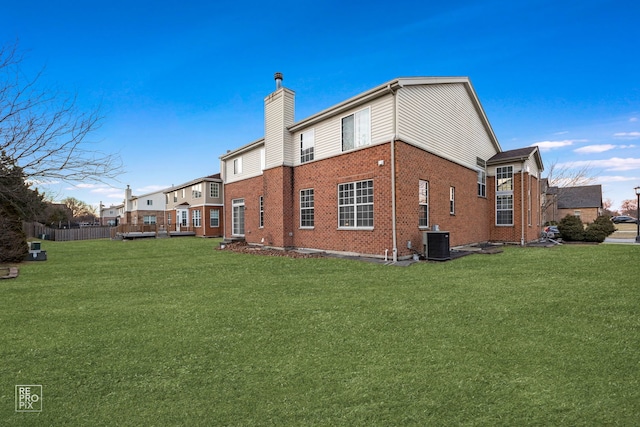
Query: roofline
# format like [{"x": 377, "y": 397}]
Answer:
[
  {"x": 535, "y": 153},
  {"x": 242, "y": 149},
  {"x": 193, "y": 181}
]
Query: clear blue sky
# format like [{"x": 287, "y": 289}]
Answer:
[{"x": 181, "y": 83}]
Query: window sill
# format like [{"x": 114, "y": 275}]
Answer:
[
  {"x": 307, "y": 228},
  {"x": 356, "y": 228}
]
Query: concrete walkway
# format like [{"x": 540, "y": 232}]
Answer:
[{"x": 620, "y": 241}]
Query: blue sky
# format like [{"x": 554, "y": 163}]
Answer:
[{"x": 178, "y": 84}]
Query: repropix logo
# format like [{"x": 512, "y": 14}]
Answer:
[{"x": 28, "y": 398}]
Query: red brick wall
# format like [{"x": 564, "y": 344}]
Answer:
[
  {"x": 469, "y": 224},
  {"x": 472, "y": 222},
  {"x": 513, "y": 233}
]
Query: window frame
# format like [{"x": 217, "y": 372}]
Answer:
[
  {"x": 196, "y": 218},
  {"x": 355, "y": 206},
  {"x": 215, "y": 217},
  {"x": 356, "y": 135},
  {"x": 307, "y": 154},
  {"x": 452, "y": 200},
  {"x": 423, "y": 203},
  {"x": 214, "y": 194},
  {"x": 237, "y": 166},
  {"x": 504, "y": 195},
  {"x": 307, "y": 208},
  {"x": 261, "y": 212}
]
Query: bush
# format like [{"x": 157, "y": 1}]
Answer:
[
  {"x": 606, "y": 223},
  {"x": 599, "y": 229},
  {"x": 571, "y": 229}
]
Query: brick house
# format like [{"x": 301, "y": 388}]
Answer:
[
  {"x": 196, "y": 207},
  {"x": 583, "y": 201},
  {"x": 372, "y": 173},
  {"x": 147, "y": 209}
]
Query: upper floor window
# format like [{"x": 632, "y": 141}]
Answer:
[
  {"x": 356, "y": 129},
  {"x": 215, "y": 190},
  {"x": 504, "y": 195},
  {"x": 237, "y": 165},
  {"x": 482, "y": 177},
  {"x": 307, "y": 144},
  {"x": 504, "y": 178},
  {"x": 149, "y": 202},
  {"x": 196, "y": 191}
]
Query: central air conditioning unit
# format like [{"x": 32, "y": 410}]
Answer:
[
  {"x": 436, "y": 245},
  {"x": 34, "y": 248}
]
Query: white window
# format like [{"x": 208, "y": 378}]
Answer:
[
  {"x": 261, "y": 219},
  {"x": 356, "y": 130},
  {"x": 307, "y": 210},
  {"x": 452, "y": 200},
  {"x": 215, "y": 190},
  {"x": 237, "y": 217},
  {"x": 423, "y": 203},
  {"x": 196, "y": 218},
  {"x": 149, "y": 220},
  {"x": 196, "y": 191},
  {"x": 504, "y": 195},
  {"x": 149, "y": 202},
  {"x": 237, "y": 165},
  {"x": 307, "y": 144},
  {"x": 175, "y": 196},
  {"x": 482, "y": 177},
  {"x": 355, "y": 204},
  {"x": 169, "y": 218},
  {"x": 214, "y": 218}
]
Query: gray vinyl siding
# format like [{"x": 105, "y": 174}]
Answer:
[
  {"x": 328, "y": 134},
  {"x": 443, "y": 120}
]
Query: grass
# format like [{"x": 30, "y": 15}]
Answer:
[{"x": 172, "y": 332}]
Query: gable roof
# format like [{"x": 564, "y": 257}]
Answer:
[
  {"x": 517, "y": 155},
  {"x": 210, "y": 178},
  {"x": 587, "y": 196},
  {"x": 376, "y": 92}
]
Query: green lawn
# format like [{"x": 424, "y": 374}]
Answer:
[{"x": 173, "y": 332}]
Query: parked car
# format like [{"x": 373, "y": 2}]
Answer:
[
  {"x": 623, "y": 218},
  {"x": 552, "y": 231}
]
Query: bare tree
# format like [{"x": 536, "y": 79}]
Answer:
[
  {"x": 629, "y": 207},
  {"x": 44, "y": 132},
  {"x": 562, "y": 175}
]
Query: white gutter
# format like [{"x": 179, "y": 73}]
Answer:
[
  {"x": 393, "y": 175},
  {"x": 522, "y": 240}
]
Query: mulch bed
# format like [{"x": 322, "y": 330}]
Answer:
[{"x": 243, "y": 247}]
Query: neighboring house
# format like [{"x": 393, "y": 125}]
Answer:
[
  {"x": 110, "y": 215},
  {"x": 147, "y": 209},
  {"x": 371, "y": 174},
  {"x": 584, "y": 202},
  {"x": 196, "y": 206}
]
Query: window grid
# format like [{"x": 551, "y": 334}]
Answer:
[
  {"x": 214, "y": 218},
  {"x": 452, "y": 200},
  {"x": 307, "y": 208},
  {"x": 214, "y": 191},
  {"x": 261, "y": 219},
  {"x": 307, "y": 144},
  {"x": 355, "y": 204},
  {"x": 423, "y": 203},
  {"x": 196, "y": 218},
  {"x": 504, "y": 195}
]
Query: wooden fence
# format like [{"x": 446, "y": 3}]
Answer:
[{"x": 35, "y": 230}]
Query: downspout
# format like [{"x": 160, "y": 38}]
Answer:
[
  {"x": 393, "y": 176},
  {"x": 522, "y": 205}
]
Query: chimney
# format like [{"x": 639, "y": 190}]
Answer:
[
  {"x": 278, "y": 77},
  {"x": 279, "y": 114}
]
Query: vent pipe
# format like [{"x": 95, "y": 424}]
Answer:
[{"x": 278, "y": 77}]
